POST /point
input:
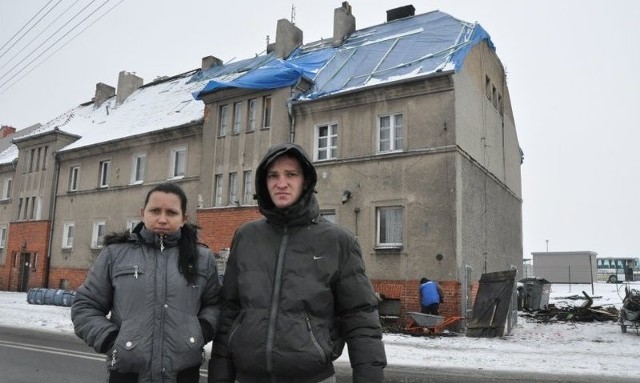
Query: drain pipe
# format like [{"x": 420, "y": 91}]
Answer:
[
  {"x": 292, "y": 120},
  {"x": 52, "y": 216}
]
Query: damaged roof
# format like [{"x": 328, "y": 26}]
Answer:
[{"x": 410, "y": 47}]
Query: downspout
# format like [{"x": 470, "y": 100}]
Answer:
[
  {"x": 52, "y": 214},
  {"x": 292, "y": 120}
]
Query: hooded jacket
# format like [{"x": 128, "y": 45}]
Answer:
[
  {"x": 294, "y": 291},
  {"x": 159, "y": 323}
]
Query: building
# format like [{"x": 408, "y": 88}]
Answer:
[
  {"x": 413, "y": 137},
  {"x": 566, "y": 266}
]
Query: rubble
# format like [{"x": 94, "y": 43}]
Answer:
[{"x": 584, "y": 313}]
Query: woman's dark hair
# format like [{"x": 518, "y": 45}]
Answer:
[{"x": 188, "y": 243}]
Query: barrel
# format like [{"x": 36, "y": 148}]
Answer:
[
  {"x": 35, "y": 296},
  {"x": 68, "y": 298},
  {"x": 58, "y": 295},
  {"x": 49, "y": 294}
]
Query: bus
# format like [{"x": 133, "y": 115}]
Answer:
[{"x": 618, "y": 269}]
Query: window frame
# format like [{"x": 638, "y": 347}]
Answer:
[
  {"x": 237, "y": 118},
  {"x": 331, "y": 151},
  {"x": 174, "y": 163},
  {"x": 138, "y": 168},
  {"x": 247, "y": 188},
  {"x": 379, "y": 244},
  {"x": 393, "y": 133},
  {"x": 252, "y": 113},
  {"x": 67, "y": 240},
  {"x": 74, "y": 178},
  {"x": 217, "y": 197},
  {"x": 233, "y": 189},
  {"x": 3, "y": 235},
  {"x": 7, "y": 183},
  {"x": 223, "y": 120},
  {"x": 96, "y": 241},
  {"x": 266, "y": 112},
  {"x": 104, "y": 174}
]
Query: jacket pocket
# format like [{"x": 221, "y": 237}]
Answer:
[
  {"x": 127, "y": 353},
  {"x": 189, "y": 343},
  {"x": 133, "y": 270}
]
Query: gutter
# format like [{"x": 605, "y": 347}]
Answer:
[{"x": 52, "y": 215}]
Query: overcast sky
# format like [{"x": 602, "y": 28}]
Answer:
[{"x": 572, "y": 71}]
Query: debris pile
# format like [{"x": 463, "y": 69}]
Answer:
[
  {"x": 584, "y": 313},
  {"x": 631, "y": 301}
]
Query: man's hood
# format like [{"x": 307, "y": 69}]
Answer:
[{"x": 309, "y": 172}]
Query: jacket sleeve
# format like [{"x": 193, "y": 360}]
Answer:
[
  {"x": 360, "y": 326},
  {"x": 221, "y": 368},
  {"x": 209, "y": 315},
  {"x": 92, "y": 303}
]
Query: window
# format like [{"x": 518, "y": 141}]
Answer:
[
  {"x": 224, "y": 120},
  {"x": 389, "y": 226},
  {"x": 3, "y": 236},
  {"x": 266, "y": 115},
  {"x": 25, "y": 165},
  {"x": 74, "y": 173},
  {"x": 32, "y": 161},
  {"x": 105, "y": 170},
  {"x": 97, "y": 236},
  {"x": 390, "y": 133},
  {"x": 138, "y": 165},
  {"x": 251, "y": 120},
  {"x": 233, "y": 188},
  {"x": 178, "y": 162},
  {"x": 39, "y": 152},
  {"x": 237, "y": 117},
  {"x": 19, "y": 208},
  {"x": 326, "y": 142},
  {"x": 329, "y": 215},
  {"x": 248, "y": 188},
  {"x": 44, "y": 158},
  {"x": 6, "y": 187},
  {"x": 218, "y": 188},
  {"x": 67, "y": 235},
  {"x": 132, "y": 223}
]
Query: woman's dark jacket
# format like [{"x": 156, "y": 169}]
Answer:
[
  {"x": 294, "y": 290},
  {"x": 158, "y": 321}
]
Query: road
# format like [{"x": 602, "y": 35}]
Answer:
[{"x": 28, "y": 356}]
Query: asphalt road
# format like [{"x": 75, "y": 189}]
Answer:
[{"x": 28, "y": 356}]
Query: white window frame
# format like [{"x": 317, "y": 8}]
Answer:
[
  {"x": 105, "y": 173},
  {"x": 132, "y": 223},
  {"x": 6, "y": 188},
  {"x": 138, "y": 167},
  {"x": 252, "y": 113},
  {"x": 248, "y": 188},
  {"x": 233, "y": 189},
  {"x": 3, "y": 236},
  {"x": 218, "y": 188},
  {"x": 224, "y": 121},
  {"x": 98, "y": 233},
  {"x": 395, "y": 138},
  {"x": 266, "y": 111},
  {"x": 67, "y": 235},
  {"x": 74, "y": 178},
  {"x": 178, "y": 164},
  {"x": 237, "y": 117},
  {"x": 326, "y": 142},
  {"x": 329, "y": 215},
  {"x": 381, "y": 240}
]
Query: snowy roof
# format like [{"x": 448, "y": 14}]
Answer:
[{"x": 414, "y": 46}]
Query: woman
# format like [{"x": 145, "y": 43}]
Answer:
[{"x": 162, "y": 291}]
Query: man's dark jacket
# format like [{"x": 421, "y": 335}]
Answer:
[{"x": 294, "y": 291}]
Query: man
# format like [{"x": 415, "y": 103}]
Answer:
[
  {"x": 294, "y": 289},
  {"x": 430, "y": 297}
]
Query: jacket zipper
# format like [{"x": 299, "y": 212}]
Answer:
[
  {"x": 313, "y": 338},
  {"x": 275, "y": 299}
]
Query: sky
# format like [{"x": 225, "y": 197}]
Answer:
[
  {"x": 582, "y": 348},
  {"x": 571, "y": 71}
]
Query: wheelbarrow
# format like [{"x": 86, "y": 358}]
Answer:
[{"x": 427, "y": 324}]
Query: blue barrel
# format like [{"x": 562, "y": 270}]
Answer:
[
  {"x": 35, "y": 296},
  {"x": 68, "y": 297},
  {"x": 58, "y": 296},
  {"x": 48, "y": 296}
]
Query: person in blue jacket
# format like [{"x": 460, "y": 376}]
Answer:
[{"x": 430, "y": 297}]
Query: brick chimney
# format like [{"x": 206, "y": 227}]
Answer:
[
  {"x": 344, "y": 23},
  {"x": 288, "y": 38},
  {"x": 103, "y": 93},
  {"x": 400, "y": 12},
  {"x": 209, "y": 62},
  {"x": 6, "y": 130},
  {"x": 127, "y": 84}
]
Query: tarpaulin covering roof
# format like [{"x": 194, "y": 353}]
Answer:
[{"x": 414, "y": 46}]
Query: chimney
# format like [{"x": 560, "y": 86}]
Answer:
[
  {"x": 209, "y": 62},
  {"x": 344, "y": 23},
  {"x": 6, "y": 130},
  {"x": 400, "y": 12},
  {"x": 288, "y": 38},
  {"x": 103, "y": 93},
  {"x": 127, "y": 84}
]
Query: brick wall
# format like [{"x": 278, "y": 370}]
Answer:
[
  {"x": 66, "y": 278},
  {"x": 29, "y": 237},
  {"x": 219, "y": 224}
]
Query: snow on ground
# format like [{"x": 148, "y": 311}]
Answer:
[{"x": 594, "y": 348}]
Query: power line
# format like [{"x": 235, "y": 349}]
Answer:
[
  {"x": 24, "y": 26},
  {"x": 60, "y": 48}
]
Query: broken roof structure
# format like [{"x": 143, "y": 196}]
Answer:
[{"x": 408, "y": 47}]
